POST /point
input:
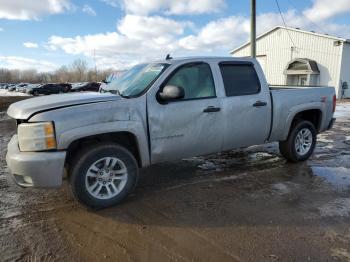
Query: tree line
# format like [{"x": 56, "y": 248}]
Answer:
[{"x": 78, "y": 71}]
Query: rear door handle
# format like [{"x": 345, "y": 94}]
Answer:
[
  {"x": 259, "y": 103},
  {"x": 211, "y": 109}
]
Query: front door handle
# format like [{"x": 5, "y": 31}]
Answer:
[
  {"x": 211, "y": 109},
  {"x": 259, "y": 103}
]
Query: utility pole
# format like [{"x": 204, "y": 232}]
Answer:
[{"x": 253, "y": 29}]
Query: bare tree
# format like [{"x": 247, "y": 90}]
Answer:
[
  {"x": 78, "y": 71},
  {"x": 63, "y": 74},
  {"x": 5, "y": 75},
  {"x": 28, "y": 76}
]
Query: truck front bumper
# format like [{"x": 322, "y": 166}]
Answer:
[{"x": 35, "y": 169}]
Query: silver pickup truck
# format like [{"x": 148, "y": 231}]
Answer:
[{"x": 156, "y": 112}]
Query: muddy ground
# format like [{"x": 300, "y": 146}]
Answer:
[{"x": 245, "y": 205}]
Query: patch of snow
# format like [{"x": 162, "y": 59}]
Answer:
[
  {"x": 207, "y": 165},
  {"x": 4, "y": 92},
  {"x": 342, "y": 110},
  {"x": 340, "y": 254},
  {"x": 281, "y": 188},
  {"x": 4, "y": 116},
  {"x": 337, "y": 208}
]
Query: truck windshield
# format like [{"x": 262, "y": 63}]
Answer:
[{"x": 135, "y": 80}]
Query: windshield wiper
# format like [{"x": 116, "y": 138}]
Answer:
[{"x": 114, "y": 92}]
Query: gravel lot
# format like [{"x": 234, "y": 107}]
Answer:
[{"x": 245, "y": 205}]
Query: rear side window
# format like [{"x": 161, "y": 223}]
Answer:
[{"x": 239, "y": 79}]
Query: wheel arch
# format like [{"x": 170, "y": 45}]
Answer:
[
  {"x": 313, "y": 115},
  {"x": 122, "y": 138}
]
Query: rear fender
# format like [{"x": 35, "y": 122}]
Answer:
[{"x": 298, "y": 109}]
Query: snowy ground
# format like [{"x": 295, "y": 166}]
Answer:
[
  {"x": 4, "y": 92},
  {"x": 342, "y": 109}
]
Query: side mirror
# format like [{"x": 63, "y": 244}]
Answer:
[{"x": 171, "y": 93}]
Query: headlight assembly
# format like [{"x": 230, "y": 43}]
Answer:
[{"x": 36, "y": 136}]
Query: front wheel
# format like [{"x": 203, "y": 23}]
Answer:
[
  {"x": 300, "y": 143},
  {"x": 103, "y": 175}
]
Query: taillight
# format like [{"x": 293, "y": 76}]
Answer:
[{"x": 334, "y": 103}]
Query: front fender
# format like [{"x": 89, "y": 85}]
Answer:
[{"x": 134, "y": 127}]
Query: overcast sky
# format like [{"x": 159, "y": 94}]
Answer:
[{"x": 45, "y": 34}]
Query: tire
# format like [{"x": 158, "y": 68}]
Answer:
[
  {"x": 92, "y": 177},
  {"x": 291, "y": 149}
]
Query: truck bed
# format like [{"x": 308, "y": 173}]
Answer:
[{"x": 287, "y": 101}]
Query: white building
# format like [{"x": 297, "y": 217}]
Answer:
[{"x": 292, "y": 56}]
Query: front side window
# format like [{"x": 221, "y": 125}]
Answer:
[
  {"x": 239, "y": 79},
  {"x": 196, "y": 79}
]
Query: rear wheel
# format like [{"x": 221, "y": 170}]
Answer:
[
  {"x": 103, "y": 175},
  {"x": 300, "y": 143}
]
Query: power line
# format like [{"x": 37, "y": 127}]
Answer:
[
  {"x": 311, "y": 22},
  {"x": 284, "y": 22}
]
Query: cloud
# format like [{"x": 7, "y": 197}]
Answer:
[
  {"x": 1, "y": 29},
  {"x": 162, "y": 29},
  {"x": 89, "y": 10},
  {"x": 325, "y": 9},
  {"x": 178, "y": 7},
  {"x": 30, "y": 45},
  {"x": 140, "y": 36},
  {"x": 133, "y": 41},
  {"x": 18, "y": 62},
  {"x": 294, "y": 19},
  {"x": 114, "y": 3},
  {"x": 29, "y": 10},
  {"x": 219, "y": 34}
]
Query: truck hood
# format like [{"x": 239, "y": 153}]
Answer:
[{"x": 26, "y": 108}]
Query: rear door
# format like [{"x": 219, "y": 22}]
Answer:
[{"x": 246, "y": 106}]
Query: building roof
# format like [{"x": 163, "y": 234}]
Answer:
[
  {"x": 309, "y": 66},
  {"x": 344, "y": 40}
]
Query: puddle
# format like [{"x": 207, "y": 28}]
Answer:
[{"x": 338, "y": 177}]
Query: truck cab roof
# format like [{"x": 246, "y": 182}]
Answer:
[{"x": 204, "y": 58}]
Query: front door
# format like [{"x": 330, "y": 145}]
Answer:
[{"x": 190, "y": 126}]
